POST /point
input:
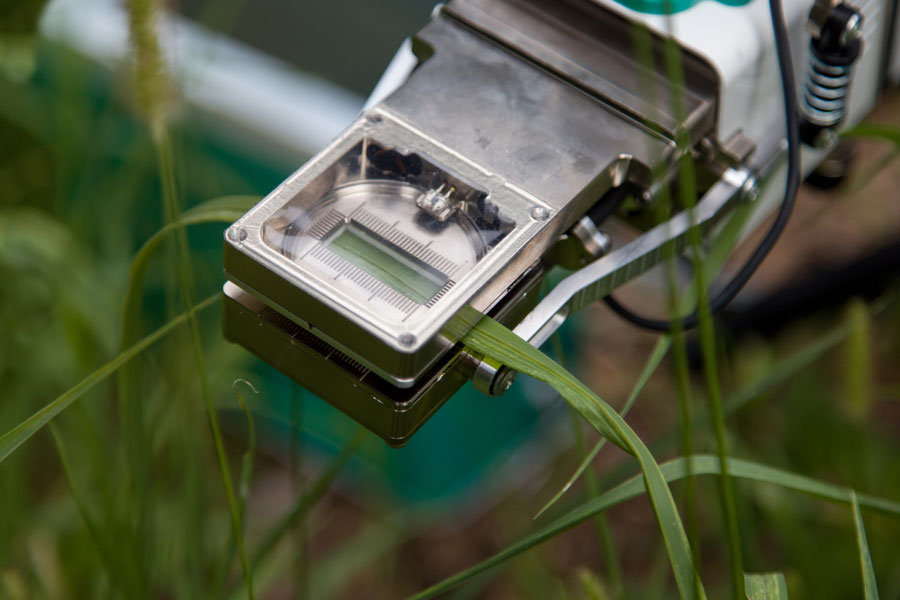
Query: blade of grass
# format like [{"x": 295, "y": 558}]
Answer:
[
  {"x": 334, "y": 570},
  {"x": 673, "y": 470},
  {"x": 865, "y": 557},
  {"x": 591, "y": 586},
  {"x": 686, "y": 429},
  {"x": 659, "y": 352},
  {"x": 706, "y": 334},
  {"x": 247, "y": 458},
  {"x": 165, "y": 158},
  {"x": 688, "y": 194},
  {"x": 784, "y": 369},
  {"x": 368, "y": 548},
  {"x": 153, "y": 93},
  {"x": 475, "y": 589},
  {"x": 875, "y": 130},
  {"x": 225, "y": 209},
  {"x": 21, "y": 433},
  {"x": 610, "y": 553},
  {"x": 765, "y": 586},
  {"x": 219, "y": 210},
  {"x": 491, "y": 339},
  {"x": 261, "y": 566},
  {"x": 115, "y": 569},
  {"x": 716, "y": 257},
  {"x": 857, "y": 363},
  {"x": 305, "y": 502},
  {"x": 243, "y": 486},
  {"x": 719, "y": 251}
]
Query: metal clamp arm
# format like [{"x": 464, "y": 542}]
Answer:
[{"x": 605, "y": 274}]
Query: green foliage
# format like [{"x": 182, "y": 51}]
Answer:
[
  {"x": 857, "y": 365},
  {"x": 19, "y": 434},
  {"x": 674, "y": 470},
  {"x": 888, "y": 133},
  {"x": 491, "y": 339},
  {"x": 659, "y": 352},
  {"x": 135, "y": 491},
  {"x": 766, "y": 586},
  {"x": 593, "y": 587}
]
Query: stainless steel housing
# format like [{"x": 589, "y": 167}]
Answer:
[{"x": 540, "y": 106}]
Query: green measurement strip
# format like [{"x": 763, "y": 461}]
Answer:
[{"x": 388, "y": 267}]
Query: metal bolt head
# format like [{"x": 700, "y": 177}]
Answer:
[
  {"x": 593, "y": 241},
  {"x": 503, "y": 380},
  {"x": 539, "y": 213},
  {"x": 407, "y": 339},
  {"x": 236, "y": 234}
]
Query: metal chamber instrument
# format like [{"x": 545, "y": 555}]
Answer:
[{"x": 524, "y": 125}]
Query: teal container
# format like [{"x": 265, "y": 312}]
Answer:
[
  {"x": 671, "y": 7},
  {"x": 457, "y": 453}
]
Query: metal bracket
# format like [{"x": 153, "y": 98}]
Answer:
[
  {"x": 599, "y": 278},
  {"x": 607, "y": 273}
]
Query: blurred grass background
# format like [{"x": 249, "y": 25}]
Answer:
[{"x": 123, "y": 496}]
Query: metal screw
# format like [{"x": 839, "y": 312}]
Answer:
[
  {"x": 503, "y": 380},
  {"x": 539, "y": 213},
  {"x": 407, "y": 339},
  {"x": 236, "y": 234},
  {"x": 750, "y": 191}
]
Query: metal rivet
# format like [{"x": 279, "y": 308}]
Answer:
[{"x": 539, "y": 213}]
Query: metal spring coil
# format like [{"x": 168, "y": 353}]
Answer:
[{"x": 825, "y": 100}]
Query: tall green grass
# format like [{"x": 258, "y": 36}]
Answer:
[{"x": 134, "y": 490}]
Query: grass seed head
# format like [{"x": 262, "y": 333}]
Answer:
[{"x": 150, "y": 76}]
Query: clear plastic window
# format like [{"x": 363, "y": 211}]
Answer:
[{"x": 394, "y": 230}]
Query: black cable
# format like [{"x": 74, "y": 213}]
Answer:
[{"x": 727, "y": 294}]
